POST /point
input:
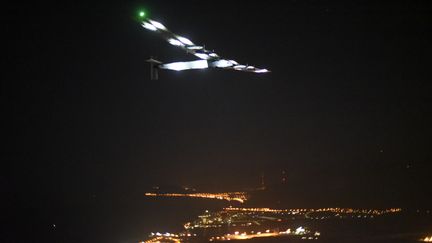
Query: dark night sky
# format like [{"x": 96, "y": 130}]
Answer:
[{"x": 345, "y": 110}]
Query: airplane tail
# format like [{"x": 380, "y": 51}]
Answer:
[{"x": 154, "y": 66}]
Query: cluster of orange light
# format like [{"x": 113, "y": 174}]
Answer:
[
  {"x": 362, "y": 211},
  {"x": 243, "y": 236},
  {"x": 246, "y": 236},
  {"x": 303, "y": 210},
  {"x": 229, "y": 196},
  {"x": 160, "y": 238},
  {"x": 427, "y": 239}
]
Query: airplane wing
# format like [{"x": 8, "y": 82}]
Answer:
[{"x": 213, "y": 59}]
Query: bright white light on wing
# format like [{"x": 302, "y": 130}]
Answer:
[
  {"x": 239, "y": 67},
  {"x": 233, "y": 62},
  {"x": 195, "y": 47},
  {"x": 175, "y": 42},
  {"x": 213, "y": 54},
  {"x": 149, "y": 26},
  {"x": 185, "y": 41},
  {"x": 179, "y": 66},
  {"x": 262, "y": 71},
  {"x": 158, "y": 25},
  {"x": 250, "y": 67},
  {"x": 222, "y": 63},
  {"x": 202, "y": 56}
]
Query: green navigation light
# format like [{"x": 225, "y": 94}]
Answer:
[{"x": 142, "y": 14}]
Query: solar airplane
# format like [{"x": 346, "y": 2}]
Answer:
[{"x": 207, "y": 59}]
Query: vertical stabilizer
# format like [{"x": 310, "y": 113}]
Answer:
[{"x": 154, "y": 66}]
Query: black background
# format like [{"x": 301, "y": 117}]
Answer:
[{"x": 345, "y": 111}]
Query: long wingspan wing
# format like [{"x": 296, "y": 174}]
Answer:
[{"x": 213, "y": 59}]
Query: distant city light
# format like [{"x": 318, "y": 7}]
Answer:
[
  {"x": 258, "y": 218},
  {"x": 427, "y": 239},
  {"x": 337, "y": 211},
  {"x": 299, "y": 230},
  {"x": 229, "y": 196}
]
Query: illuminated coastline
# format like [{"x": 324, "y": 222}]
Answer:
[
  {"x": 300, "y": 232},
  {"x": 318, "y": 210},
  {"x": 228, "y": 196},
  {"x": 169, "y": 237},
  {"x": 242, "y": 223}
]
